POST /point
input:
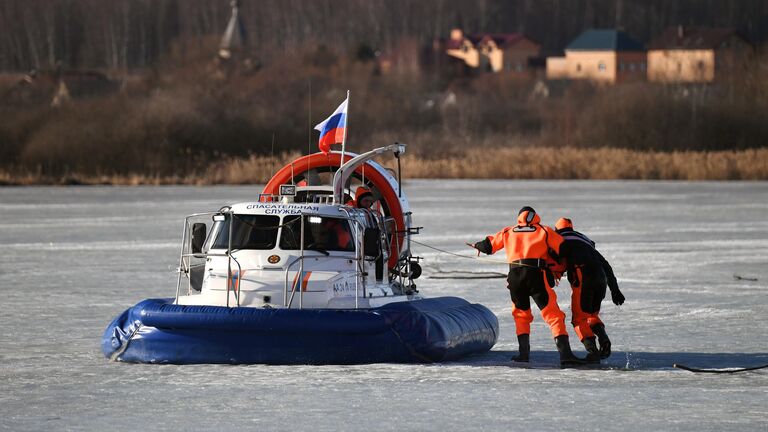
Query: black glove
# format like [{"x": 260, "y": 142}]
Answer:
[
  {"x": 484, "y": 246},
  {"x": 617, "y": 297}
]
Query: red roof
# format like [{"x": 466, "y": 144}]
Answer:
[{"x": 503, "y": 39}]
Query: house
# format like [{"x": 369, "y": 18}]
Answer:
[
  {"x": 462, "y": 48},
  {"x": 605, "y": 56},
  {"x": 696, "y": 54},
  {"x": 493, "y": 52},
  {"x": 507, "y": 52}
]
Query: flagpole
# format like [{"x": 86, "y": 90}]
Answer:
[{"x": 346, "y": 126}]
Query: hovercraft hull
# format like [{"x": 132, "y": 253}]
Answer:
[{"x": 418, "y": 331}]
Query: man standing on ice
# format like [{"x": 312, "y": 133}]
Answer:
[
  {"x": 588, "y": 274},
  {"x": 528, "y": 245}
]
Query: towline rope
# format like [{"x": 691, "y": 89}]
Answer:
[
  {"x": 718, "y": 371},
  {"x": 475, "y": 258},
  {"x": 475, "y": 275}
]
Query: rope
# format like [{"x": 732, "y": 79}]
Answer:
[
  {"x": 445, "y": 274},
  {"x": 476, "y": 276},
  {"x": 465, "y": 272},
  {"x": 697, "y": 370},
  {"x": 476, "y": 258}
]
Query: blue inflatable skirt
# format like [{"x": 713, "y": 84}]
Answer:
[{"x": 429, "y": 330}]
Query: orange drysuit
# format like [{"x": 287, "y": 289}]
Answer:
[{"x": 528, "y": 246}]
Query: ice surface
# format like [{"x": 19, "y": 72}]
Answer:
[{"x": 75, "y": 257}]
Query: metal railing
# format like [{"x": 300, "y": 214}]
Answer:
[
  {"x": 186, "y": 269},
  {"x": 185, "y": 257}
]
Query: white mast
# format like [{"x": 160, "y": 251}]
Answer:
[{"x": 344, "y": 138}]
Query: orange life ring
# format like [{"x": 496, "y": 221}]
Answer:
[{"x": 333, "y": 160}]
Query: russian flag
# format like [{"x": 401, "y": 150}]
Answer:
[{"x": 332, "y": 129}]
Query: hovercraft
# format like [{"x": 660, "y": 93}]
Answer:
[{"x": 303, "y": 276}]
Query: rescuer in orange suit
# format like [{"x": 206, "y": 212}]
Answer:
[
  {"x": 364, "y": 197},
  {"x": 339, "y": 238},
  {"x": 588, "y": 274},
  {"x": 528, "y": 246}
]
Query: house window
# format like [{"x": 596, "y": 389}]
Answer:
[
  {"x": 621, "y": 66},
  {"x": 601, "y": 67},
  {"x": 642, "y": 67},
  {"x": 578, "y": 67},
  {"x": 631, "y": 67},
  {"x": 519, "y": 67},
  {"x": 700, "y": 65}
]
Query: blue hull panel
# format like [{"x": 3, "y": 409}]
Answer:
[{"x": 430, "y": 330}]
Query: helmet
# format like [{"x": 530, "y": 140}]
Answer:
[
  {"x": 563, "y": 224},
  {"x": 363, "y": 192},
  {"x": 527, "y": 216}
]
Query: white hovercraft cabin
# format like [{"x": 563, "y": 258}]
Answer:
[{"x": 253, "y": 255}]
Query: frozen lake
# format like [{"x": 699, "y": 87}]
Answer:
[{"x": 75, "y": 257}]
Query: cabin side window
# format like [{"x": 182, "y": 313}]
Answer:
[
  {"x": 320, "y": 233},
  {"x": 248, "y": 232}
]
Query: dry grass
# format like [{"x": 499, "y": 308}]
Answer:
[
  {"x": 605, "y": 163},
  {"x": 498, "y": 163},
  {"x": 255, "y": 169},
  {"x": 250, "y": 170}
]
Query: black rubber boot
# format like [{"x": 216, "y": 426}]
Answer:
[
  {"x": 567, "y": 358},
  {"x": 524, "y": 345},
  {"x": 593, "y": 354},
  {"x": 602, "y": 337}
]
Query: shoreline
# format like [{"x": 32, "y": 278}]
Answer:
[{"x": 507, "y": 163}]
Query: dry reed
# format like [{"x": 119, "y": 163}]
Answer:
[
  {"x": 496, "y": 163},
  {"x": 604, "y": 163}
]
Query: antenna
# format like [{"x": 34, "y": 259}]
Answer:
[
  {"x": 309, "y": 125},
  {"x": 272, "y": 153}
]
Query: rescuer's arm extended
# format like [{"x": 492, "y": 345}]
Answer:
[
  {"x": 483, "y": 246},
  {"x": 616, "y": 296},
  {"x": 491, "y": 244}
]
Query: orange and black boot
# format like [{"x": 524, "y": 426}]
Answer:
[
  {"x": 593, "y": 354},
  {"x": 567, "y": 358},
  {"x": 602, "y": 337},
  {"x": 524, "y": 346}
]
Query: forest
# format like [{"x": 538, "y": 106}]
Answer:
[
  {"x": 130, "y": 34},
  {"x": 176, "y": 113}
]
